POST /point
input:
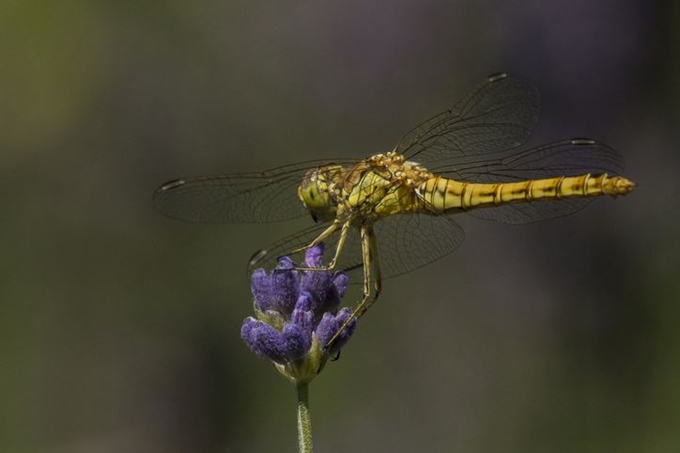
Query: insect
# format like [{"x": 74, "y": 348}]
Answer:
[{"x": 391, "y": 213}]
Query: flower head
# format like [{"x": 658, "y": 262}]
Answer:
[{"x": 297, "y": 316}]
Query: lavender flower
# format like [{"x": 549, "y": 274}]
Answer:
[{"x": 296, "y": 316}]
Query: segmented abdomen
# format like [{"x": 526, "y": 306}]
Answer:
[{"x": 444, "y": 194}]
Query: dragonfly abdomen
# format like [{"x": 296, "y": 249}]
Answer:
[{"x": 442, "y": 194}]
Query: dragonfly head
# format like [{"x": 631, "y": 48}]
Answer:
[{"x": 316, "y": 196}]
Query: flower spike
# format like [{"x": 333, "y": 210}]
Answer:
[{"x": 296, "y": 315}]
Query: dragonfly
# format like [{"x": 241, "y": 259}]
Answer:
[{"x": 391, "y": 213}]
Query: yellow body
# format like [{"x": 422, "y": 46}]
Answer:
[
  {"x": 386, "y": 185},
  {"x": 448, "y": 195}
]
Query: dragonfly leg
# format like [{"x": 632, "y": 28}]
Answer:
[
  {"x": 341, "y": 242},
  {"x": 369, "y": 252},
  {"x": 320, "y": 238},
  {"x": 375, "y": 261},
  {"x": 338, "y": 248}
]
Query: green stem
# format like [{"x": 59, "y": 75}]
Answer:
[{"x": 304, "y": 422}]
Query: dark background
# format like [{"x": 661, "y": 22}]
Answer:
[{"x": 119, "y": 328}]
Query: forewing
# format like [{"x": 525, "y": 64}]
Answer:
[
  {"x": 498, "y": 115},
  {"x": 268, "y": 196},
  {"x": 566, "y": 158}
]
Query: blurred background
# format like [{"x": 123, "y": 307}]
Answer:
[{"x": 119, "y": 328}]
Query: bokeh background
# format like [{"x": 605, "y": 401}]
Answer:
[{"x": 119, "y": 328}]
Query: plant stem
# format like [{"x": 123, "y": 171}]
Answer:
[{"x": 304, "y": 422}]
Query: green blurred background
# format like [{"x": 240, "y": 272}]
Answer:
[{"x": 119, "y": 328}]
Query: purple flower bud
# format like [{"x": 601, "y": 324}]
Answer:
[
  {"x": 260, "y": 286},
  {"x": 326, "y": 329},
  {"x": 340, "y": 280},
  {"x": 264, "y": 340},
  {"x": 344, "y": 336},
  {"x": 304, "y": 302},
  {"x": 314, "y": 256},
  {"x": 303, "y": 316},
  {"x": 329, "y": 326},
  {"x": 296, "y": 342},
  {"x": 285, "y": 263},
  {"x": 327, "y": 289},
  {"x": 285, "y": 286}
]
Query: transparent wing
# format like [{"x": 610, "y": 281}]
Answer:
[
  {"x": 268, "y": 196},
  {"x": 566, "y": 158},
  {"x": 408, "y": 242},
  {"x": 405, "y": 243},
  {"x": 498, "y": 115}
]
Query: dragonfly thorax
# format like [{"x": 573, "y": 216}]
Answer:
[{"x": 382, "y": 185}]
